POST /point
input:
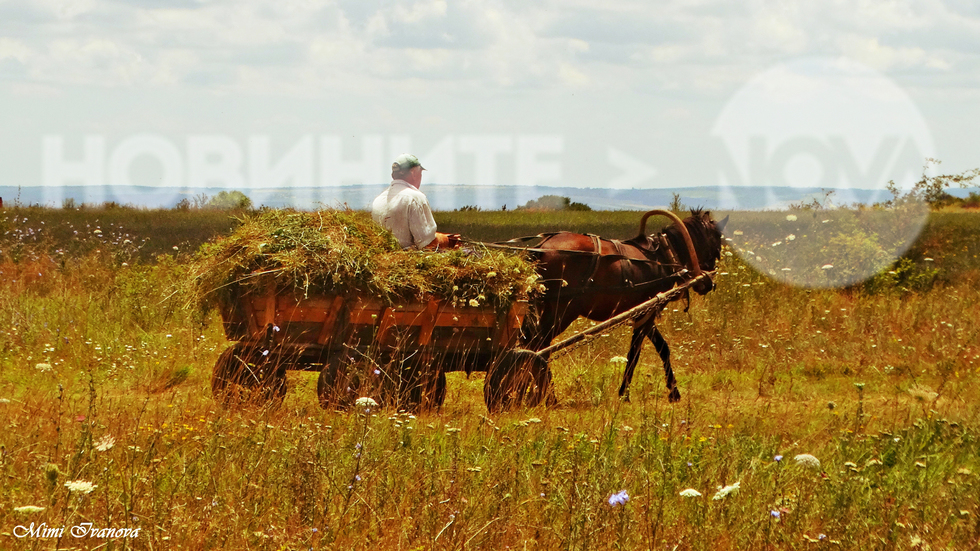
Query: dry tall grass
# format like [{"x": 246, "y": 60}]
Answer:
[{"x": 104, "y": 379}]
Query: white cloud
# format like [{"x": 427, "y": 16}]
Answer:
[
  {"x": 301, "y": 46},
  {"x": 871, "y": 52}
]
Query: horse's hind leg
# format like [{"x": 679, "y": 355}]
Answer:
[
  {"x": 661, "y": 345},
  {"x": 632, "y": 358}
]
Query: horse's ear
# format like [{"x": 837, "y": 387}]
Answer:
[{"x": 721, "y": 225}]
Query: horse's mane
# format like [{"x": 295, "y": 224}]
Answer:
[{"x": 697, "y": 225}]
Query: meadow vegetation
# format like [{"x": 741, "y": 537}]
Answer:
[{"x": 809, "y": 419}]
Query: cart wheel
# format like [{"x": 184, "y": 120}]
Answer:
[
  {"x": 334, "y": 385},
  {"x": 343, "y": 381},
  {"x": 243, "y": 375},
  {"x": 413, "y": 385},
  {"x": 517, "y": 378},
  {"x": 428, "y": 391}
]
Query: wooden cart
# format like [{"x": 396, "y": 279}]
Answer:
[{"x": 396, "y": 353}]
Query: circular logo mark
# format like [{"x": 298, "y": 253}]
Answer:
[{"x": 817, "y": 150}]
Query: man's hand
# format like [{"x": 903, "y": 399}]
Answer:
[{"x": 444, "y": 241}]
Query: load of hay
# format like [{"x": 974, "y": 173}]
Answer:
[{"x": 312, "y": 253}]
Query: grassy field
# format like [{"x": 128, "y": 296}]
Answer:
[{"x": 810, "y": 419}]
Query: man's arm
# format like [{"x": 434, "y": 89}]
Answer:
[{"x": 422, "y": 225}]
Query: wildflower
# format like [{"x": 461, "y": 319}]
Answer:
[
  {"x": 618, "y": 360},
  {"x": 43, "y": 367},
  {"x": 778, "y": 458},
  {"x": 826, "y": 266},
  {"x": 4, "y": 401},
  {"x": 491, "y": 274},
  {"x": 619, "y": 498},
  {"x": 774, "y": 514},
  {"x": 80, "y": 486},
  {"x": 28, "y": 509},
  {"x": 105, "y": 443},
  {"x": 451, "y": 430},
  {"x": 474, "y": 303},
  {"x": 365, "y": 402},
  {"x": 690, "y": 492},
  {"x": 790, "y": 237},
  {"x": 791, "y": 217},
  {"x": 722, "y": 493}
]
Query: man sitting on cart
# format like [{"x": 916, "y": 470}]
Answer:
[{"x": 404, "y": 210}]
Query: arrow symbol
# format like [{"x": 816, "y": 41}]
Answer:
[{"x": 634, "y": 171}]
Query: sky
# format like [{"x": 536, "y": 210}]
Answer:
[{"x": 646, "y": 95}]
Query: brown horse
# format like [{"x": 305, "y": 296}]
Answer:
[{"x": 585, "y": 275}]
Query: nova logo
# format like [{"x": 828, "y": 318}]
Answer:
[{"x": 822, "y": 133}]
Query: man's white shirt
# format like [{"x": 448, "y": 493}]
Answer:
[{"x": 405, "y": 211}]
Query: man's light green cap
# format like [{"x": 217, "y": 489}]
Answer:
[{"x": 405, "y": 161}]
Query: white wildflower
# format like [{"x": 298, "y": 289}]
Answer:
[
  {"x": 790, "y": 237},
  {"x": 28, "y": 509},
  {"x": 365, "y": 402},
  {"x": 826, "y": 266},
  {"x": 80, "y": 486},
  {"x": 722, "y": 493},
  {"x": 791, "y": 217},
  {"x": 105, "y": 443},
  {"x": 690, "y": 492},
  {"x": 618, "y": 360},
  {"x": 44, "y": 366},
  {"x": 4, "y": 401},
  {"x": 807, "y": 460}
]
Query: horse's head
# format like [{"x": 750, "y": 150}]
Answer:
[{"x": 706, "y": 235}]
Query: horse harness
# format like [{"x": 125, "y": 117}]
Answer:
[{"x": 627, "y": 269}]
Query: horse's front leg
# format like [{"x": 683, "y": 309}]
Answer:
[
  {"x": 632, "y": 358},
  {"x": 661, "y": 345}
]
